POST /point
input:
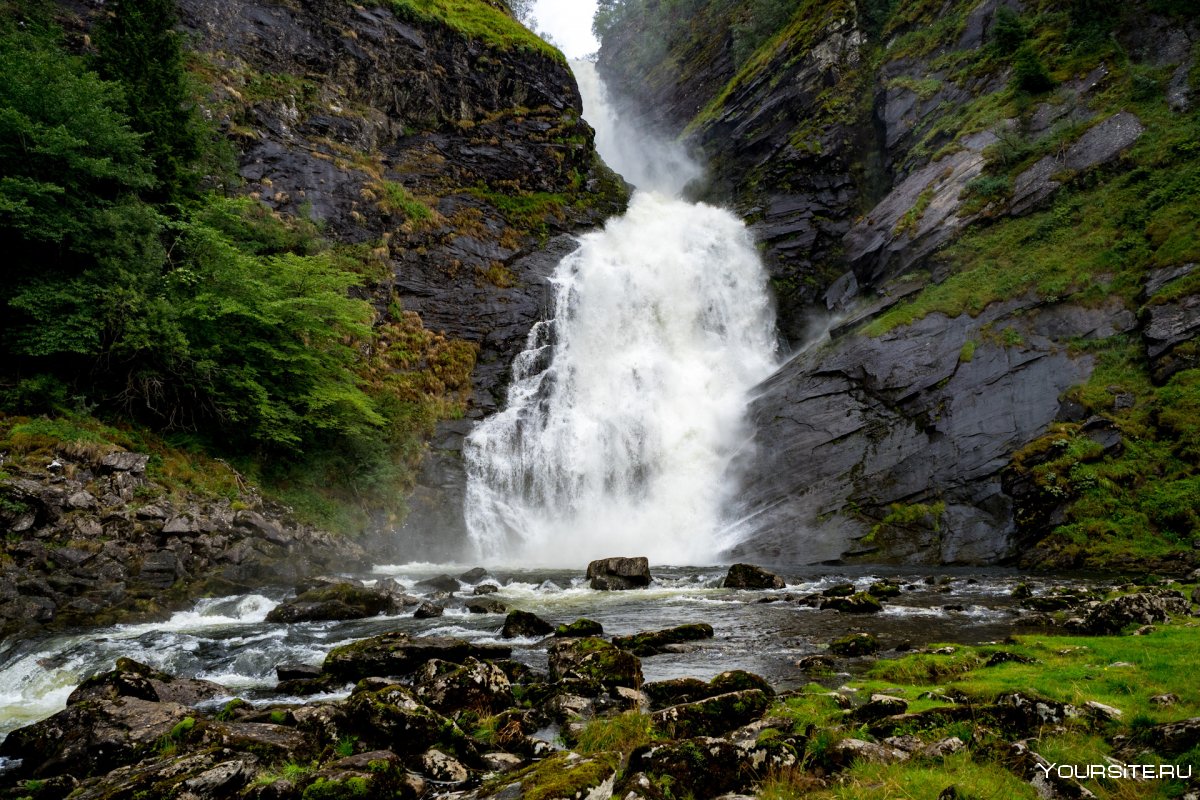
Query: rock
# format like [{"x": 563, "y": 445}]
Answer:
[
  {"x": 677, "y": 690},
  {"x": 477, "y": 686},
  {"x": 339, "y": 601},
  {"x": 473, "y": 576},
  {"x": 1167, "y": 330},
  {"x": 1039, "y": 772},
  {"x": 878, "y": 707},
  {"x": 1102, "y": 712},
  {"x": 712, "y": 716},
  {"x": 701, "y": 768},
  {"x": 124, "y": 462},
  {"x": 562, "y": 775},
  {"x": 815, "y": 664},
  {"x": 943, "y": 747},
  {"x": 1005, "y": 657},
  {"x": 525, "y": 625},
  {"x": 502, "y": 762},
  {"x": 393, "y": 718},
  {"x": 1164, "y": 700},
  {"x": 486, "y": 607},
  {"x": 613, "y": 574},
  {"x": 1142, "y": 608},
  {"x": 82, "y": 500},
  {"x": 92, "y": 738},
  {"x": 593, "y": 659},
  {"x": 847, "y": 751},
  {"x": 579, "y": 628},
  {"x": 296, "y": 672},
  {"x": 855, "y": 644},
  {"x": 272, "y": 742},
  {"x": 439, "y": 583},
  {"x": 840, "y": 590},
  {"x": 427, "y": 610},
  {"x": 484, "y": 589},
  {"x": 1166, "y": 740},
  {"x": 858, "y": 603},
  {"x": 649, "y": 643},
  {"x": 748, "y": 576},
  {"x": 400, "y": 654},
  {"x": 884, "y": 589},
  {"x": 443, "y": 768}
]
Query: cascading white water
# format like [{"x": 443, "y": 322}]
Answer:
[{"x": 627, "y": 408}]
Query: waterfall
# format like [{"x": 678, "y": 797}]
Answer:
[{"x": 626, "y": 410}]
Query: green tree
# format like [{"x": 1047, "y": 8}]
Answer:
[{"x": 139, "y": 47}]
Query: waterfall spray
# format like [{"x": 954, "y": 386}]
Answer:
[{"x": 627, "y": 409}]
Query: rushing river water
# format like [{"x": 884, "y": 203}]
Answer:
[{"x": 228, "y": 640}]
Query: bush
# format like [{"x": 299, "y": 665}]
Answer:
[{"x": 1029, "y": 74}]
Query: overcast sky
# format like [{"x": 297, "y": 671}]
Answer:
[{"x": 570, "y": 23}]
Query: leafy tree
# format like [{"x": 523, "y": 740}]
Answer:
[{"x": 139, "y": 47}]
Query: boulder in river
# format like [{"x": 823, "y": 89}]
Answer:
[
  {"x": 649, "y": 643},
  {"x": 439, "y": 583},
  {"x": 428, "y": 610},
  {"x": 855, "y": 644},
  {"x": 858, "y": 603},
  {"x": 338, "y": 601},
  {"x": 609, "y": 574},
  {"x": 486, "y": 606},
  {"x": 579, "y": 628},
  {"x": 748, "y": 576},
  {"x": 525, "y": 625}
]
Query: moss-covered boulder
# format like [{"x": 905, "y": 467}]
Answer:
[
  {"x": 394, "y": 654},
  {"x": 562, "y": 776},
  {"x": 712, "y": 716},
  {"x": 699, "y": 768},
  {"x": 855, "y": 644},
  {"x": 579, "y": 629},
  {"x": 884, "y": 589},
  {"x": 748, "y": 576},
  {"x": 395, "y": 718},
  {"x": 339, "y": 601},
  {"x": 478, "y": 686},
  {"x": 857, "y": 603},
  {"x": 593, "y": 659},
  {"x": 676, "y": 690},
  {"x": 649, "y": 643}
]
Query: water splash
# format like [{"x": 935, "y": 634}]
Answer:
[{"x": 627, "y": 409}]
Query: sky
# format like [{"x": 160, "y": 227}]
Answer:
[{"x": 569, "y": 22}]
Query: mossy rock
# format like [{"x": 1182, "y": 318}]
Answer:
[
  {"x": 712, "y": 716},
  {"x": 562, "y": 776},
  {"x": 579, "y": 629},
  {"x": 649, "y": 643},
  {"x": 858, "y": 603},
  {"x": 593, "y": 659},
  {"x": 856, "y": 644}
]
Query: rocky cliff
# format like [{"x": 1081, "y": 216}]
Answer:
[{"x": 989, "y": 206}]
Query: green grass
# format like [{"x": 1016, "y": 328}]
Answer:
[
  {"x": 620, "y": 734},
  {"x": 396, "y": 199},
  {"x": 477, "y": 19}
]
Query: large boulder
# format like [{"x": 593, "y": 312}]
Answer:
[
  {"x": 525, "y": 625},
  {"x": 712, "y": 716},
  {"x": 699, "y": 768},
  {"x": 593, "y": 659},
  {"x": 339, "y": 601},
  {"x": 134, "y": 679},
  {"x": 579, "y": 629},
  {"x": 649, "y": 643},
  {"x": 1143, "y": 608},
  {"x": 479, "y": 686},
  {"x": 562, "y": 775},
  {"x": 857, "y": 603},
  {"x": 393, "y": 654},
  {"x": 394, "y": 718},
  {"x": 855, "y": 644},
  {"x": 748, "y": 576},
  {"x": 609, "y": 574}
]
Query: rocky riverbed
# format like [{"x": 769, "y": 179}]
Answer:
[{"x": 505, "y": 683}]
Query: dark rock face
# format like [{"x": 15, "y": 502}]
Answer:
[
  {"x": 615, "y": 574},
  {"x": 712, "y": 716},
  {"x": 748, "y": 576},
  {"x": 1112, "y": 616},
  {"x": 849, "y": 430}
]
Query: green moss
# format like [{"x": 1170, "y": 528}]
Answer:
[
  {"x": 332, "y": 789},
  {"x": 397, "y": 200},
  {"x": 911, "y": 220},
  {"x": 478, "y": 19},
  {"x": 561, "y": 775}
]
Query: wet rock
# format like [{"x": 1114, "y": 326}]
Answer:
[
  {"x": 712, "y": 716},
  {"x": 296, "y": 672},
  {"x": 486, "y": 607},
  {"x": 476, "y": 686},
  {"x": 815, "y": 664},
  {"x": 91, "y": 738},
  {"x": 840, "y": 590},
  {"x": 562, "y": 775},
  {"x": 594, "y": 659},
  {"x": 473, "y": 575},
  {"x": 579, "y": 628},
  {"x": 273, "y": 742},
  {"x": 858, "y": 603},
  {"x": 855, "y": 644},
  {"x": 749, "y": 576},
  {"x": 884, "y": 589},
  {"x": 615, "y": 574},
  {"x": 439, "y": 583},
  {"x": 485, "y": 589},
  {"x": 339, "y": 601},
  {"x": 427, "y": 610},
  {"x": 525, "y": 625},
  {"x": 399, "y": 654},
  {"x": 1142, "y": 608},
  {"x": 649, "y": 643},
  {"x": 677, "y": 690}
]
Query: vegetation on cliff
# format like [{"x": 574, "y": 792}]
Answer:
[{"x": 138, "y": 291}]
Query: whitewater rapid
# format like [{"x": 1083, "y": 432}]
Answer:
[{"x": 627, "y": 410}]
